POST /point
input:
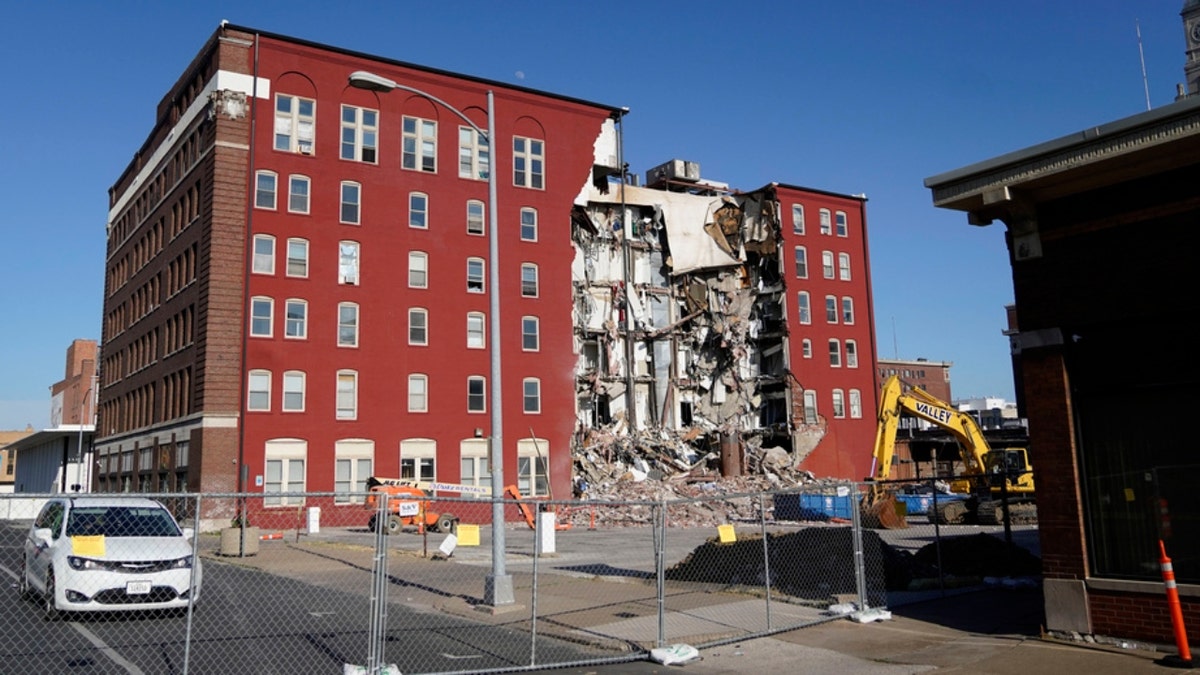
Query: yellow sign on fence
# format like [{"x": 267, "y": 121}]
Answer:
[{"x": 468, "y": 535}]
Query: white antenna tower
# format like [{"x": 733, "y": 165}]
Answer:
[{"x": 1142, "y": 56}]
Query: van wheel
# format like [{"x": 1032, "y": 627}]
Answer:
[
  {"x": 23, "y": 583},
  {"x": 49, "y": 608},
  {"x": 445, "y": 523},
  {"x": 394, "y": 525}
]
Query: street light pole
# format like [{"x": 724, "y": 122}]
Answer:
[{"x": 498, "y": 588}]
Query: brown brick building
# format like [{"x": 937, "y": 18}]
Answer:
[{"x": 1101, "y": 230}]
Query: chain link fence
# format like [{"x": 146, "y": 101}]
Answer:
[{"x": 333, "y": 583}]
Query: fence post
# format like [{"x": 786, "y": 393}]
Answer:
[
  {"x": 377, "y": 623},
  {"x": 860, "y": 571},
  {"x": 762, "y": 522},
  {"x": 660, "y": 572},
  {"x": 533, "y": 600},
  {"x": 187, "y": 631}
]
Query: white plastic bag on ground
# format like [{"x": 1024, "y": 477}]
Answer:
[
  {"x": 350, "y": 669},
  {"x": 675, "y": 655}
]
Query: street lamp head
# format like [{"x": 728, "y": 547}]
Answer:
[{"x": 365, "y": 80}]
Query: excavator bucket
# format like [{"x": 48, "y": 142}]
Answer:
[{"x": 883, "y": 512}]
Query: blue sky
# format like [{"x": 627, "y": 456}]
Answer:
[{"x": 849, "y": 96}]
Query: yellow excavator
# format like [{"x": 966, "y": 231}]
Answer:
[{"x": 992, "y": 479}]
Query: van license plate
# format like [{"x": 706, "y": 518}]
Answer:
[{"x": 137, "y": 588}]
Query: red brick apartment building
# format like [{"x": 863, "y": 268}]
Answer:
[
  {"x": 1106, "y": 354},
  {"x": 932, "y": 376},
  {"x": 295, "y": 277}
]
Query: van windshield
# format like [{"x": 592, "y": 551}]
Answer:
[{"x": 121, "y": 521}]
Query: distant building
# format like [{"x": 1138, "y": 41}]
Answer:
[
  {"x": 932, "y": 376},
  {"x": 59, "y": 459},
  {"x": 8, "y": 457}
]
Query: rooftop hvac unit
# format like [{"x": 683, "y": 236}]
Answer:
[{"x": 676, "y": 169}]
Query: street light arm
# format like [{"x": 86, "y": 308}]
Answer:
[{"x": 362, "y": 79}]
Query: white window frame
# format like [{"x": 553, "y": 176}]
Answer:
[
  {"x": 294, "y": 385},
  {"x": 418, "y": 459},
  {"x": 797, "y": 219},
  {"x": 418, "y": 393},
  {"x": 840, "y": 225},
  {"x": 357, "y": 456},
  {"x": 418, "y": 269},
  {"x": 839, "y": 404},
  {"x": 844, "y": 266},
  {"x": 835, "y": 353},
  {"x": 256, "y": 317},
  {"x": 295, "y": 130},
  {"x": 476, "y": 215},
  {"x": 811, "y": 415},
  {"x": 476, "y": 275},
  {"x": 529, "y": 224},
  {"x": 346, "y": 395},
  {"x": 258, "y": 389},
  {"x": 474, "y": 452},
  {"x": 848, "y": 310},
  {"x": 474, "y": 154},
  {"x": 291, "y": 456},
  {"x": 295, "y": 324},
  {"x": 476, "y": 330},
  {"x": 851, "y": 354},
  {"x": 476, "y": 402},
  {"x": 806, "y": 348},
  {"x": 831, "y": 309},
  {"x": 531, "y": 334},
  {"x": 529, "y": 280},
  {"x": 349, "y": 262},
  {"x": 418, "y": 210},
  {"x": 531, "y": 396},
  {"x": 347, "y": 335},
  {"x": 533, "y": 467},
  {"x": 419, "y": 144},
  {"x": 801, "y": 259},
  {"x": 350, "y": 209},
  {"x": 299, "y": 262},
  {"x": 359, "y": 141},
  {"x": 856, "y": 411},
  {"x": 529, "y": 163},
  {"x": 418, "y": 326},
  {"x": 266, "y": 190},
  {"x": 299, "y": 194},
  {"x": 264, "y": 261},
  {"x": 826, "y": 222},
  {"x": 803, "y": 308},
  {"x": 827, "y": 269}
]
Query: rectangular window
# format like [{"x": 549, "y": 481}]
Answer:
[
  {"x": 476, "y": 398},
  {"x": 531, "y": 474},
  {"x": 844, "y": 266},
  {"x": 418, "y": 270},
  {"x": 264, "y": 254},
  {"x": 806, "y": 348},
  {"x": 418, "y": 468},
  {"x": 826, "y": 224},
  {"x": 348, "y": 263},
  {"x": 475, "y": 330},
  {"x": 297, "y": 258},
  {"x": 803, "y": 310},
  {"x": 797, "y": 219},
  {"x": 474, "y": 155},
  {"x": 827, "y": 264},
  {"x": 360, "y": 133},
  {"x": 831, "y": 309},
  {"x": 293, "y": 391},
  {"x": 258, "y": 390},
  {"x": 347, "y": 395},
  {"x": 855, "y": 404},
  {"x": 847, "y": 310},
  {"x": 801, "y": 262},
  {"x": 531, "y": 396},
  {"x": 851, "y": 354},
  {"x": 353, "y": 464},
  {"x": 351, "y": 196},
  {"x": 475, "y": 470},
  {"x": 839, "y": 404},
  {"x": 528, "y": 162},
  {"x": 418, "y": 327},
  {"x": 261, "y": 310},
  {"x": 474, "y": 217},
  {"x": 295, "y": 126},
  {"x": 418, "y": 393},
  {"x": 530, "y": 338},
  {"x": 298, "y": 187},
  {"x": 419, "y": 151},
  {"x": 475, "y": 275},
  {"x": 529, "y": 280},
  {"x": 282, "y": 475},
  {"x": 810, "y": 406},
  {"x": 835, "y": 354},
  {"x": 264, "y": 190},
  {"x": 529, "y": 228},
  {"x": 296, "y": 325},
  {"x": 418, "y": 210},
  {"x": 347, "y": 325},
  {"x": 840, "y": 222}
]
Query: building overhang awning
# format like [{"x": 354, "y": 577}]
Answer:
[{"x": 47, "y": 436}]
